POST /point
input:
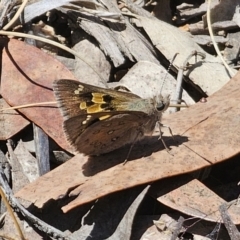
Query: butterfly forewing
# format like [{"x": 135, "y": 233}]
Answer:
[{"x": 76, "y": 98}]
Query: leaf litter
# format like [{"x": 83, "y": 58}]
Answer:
[{"x": 205, "y": 134}]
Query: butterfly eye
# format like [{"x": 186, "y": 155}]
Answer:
[
  {"x": 160, "y": 107},
  {"x": 161, "y": 103}
]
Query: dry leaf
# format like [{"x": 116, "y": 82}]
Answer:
[
  {"x": 222, "y": 11},
  {"x": 11, "y": 121},
  {"x": 205, "y": 134},
  {"x": 27, "y": 76},
  {"x": 98, "y": 62},
  {"x": 124, "y": 228},
  {"x": 193, "y": 199},
  {"x": 28, "y": 162},
  {"x": 169, "y": 40},
  {"x": 147, "y": 79}
]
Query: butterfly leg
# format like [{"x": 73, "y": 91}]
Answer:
[
  {"x": 169, "y": 129},
  {"x": 128, "y": 153},
  {"x": 136, "y": 138},
  {"x": 160, "y": 134}
]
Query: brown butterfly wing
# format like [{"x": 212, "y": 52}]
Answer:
[
  {"x": 98, "y": 120},
  {"x": 70, "y": 94},
  {"x": 102, "y": 136}
]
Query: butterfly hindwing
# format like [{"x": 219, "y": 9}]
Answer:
[{"x": 102, "y": 136}]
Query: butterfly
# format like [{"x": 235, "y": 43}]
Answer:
[{"x": 99, "y": 120}]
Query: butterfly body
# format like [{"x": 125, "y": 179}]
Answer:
[{"x": 99, "y": 120}]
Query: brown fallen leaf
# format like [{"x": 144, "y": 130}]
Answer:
[
  {"x": 11, "y": 122},
  {"x": 193, "y": 199},
  {"x": 27, "y": 76},
  {"x": 204, "y": 135}
]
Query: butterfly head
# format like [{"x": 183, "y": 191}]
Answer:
[{"x": 161, "y": 103}]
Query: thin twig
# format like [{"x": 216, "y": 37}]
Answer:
[
  {"x": 28, "y": 105},
  {"x": 16, "y": 16},
  {"x": 59, "y": 45},
  {"x": 213, "y": 40},
  {"x": 231, "y": 228},
  {"x": 11, "y": 213}
]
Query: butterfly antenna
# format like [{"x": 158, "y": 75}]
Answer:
[{"x": 170, "y": 65}]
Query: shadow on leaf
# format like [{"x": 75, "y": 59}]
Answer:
[{"x": 143, "y": 148}]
